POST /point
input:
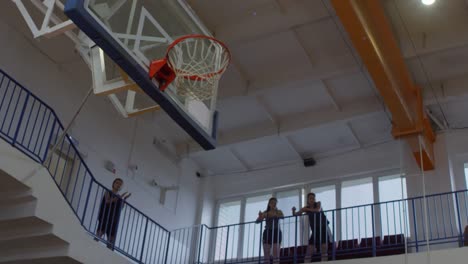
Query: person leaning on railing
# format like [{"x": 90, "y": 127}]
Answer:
[
  {"x": 109, "y": 212},
  {"x": 318, "y": 225},
  {"x": 272, "y": 234}
]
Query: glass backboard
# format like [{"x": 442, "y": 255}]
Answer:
[{"x": 135, "y": 32}]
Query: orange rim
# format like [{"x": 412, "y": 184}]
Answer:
[{"x": 194, "y": 36}]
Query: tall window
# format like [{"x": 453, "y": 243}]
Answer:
[
  {"x": 229, "y": 213},
  {"x": 286, "y": 201},
  {"x": 393, "y": 211},
  {"x": 252, "y": 231},
  {"x": 466, "y": 174},
  {"x": 356, "y": 221},
  {"x": 327, "y": 197}
]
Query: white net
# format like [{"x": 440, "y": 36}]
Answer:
[{"x": 198, "y": 64}]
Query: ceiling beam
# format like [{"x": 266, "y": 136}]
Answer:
[
  {"x": 295, "y": 122},
  {"x": 372, "y": 37},
  {"x": 301, "y": 78},
  {"x": 238, "y": 157},
  {"x": 331, "y": 96},
  {"x": 353, "y": 133}
]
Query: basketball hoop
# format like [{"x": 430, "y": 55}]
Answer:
[{"x": 195, "y": 63}]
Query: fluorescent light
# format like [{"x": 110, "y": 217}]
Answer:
[{"x": 428, "y": 2}]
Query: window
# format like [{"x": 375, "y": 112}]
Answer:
[
  {"x": 466, "y": 174},
  {"x": 286, "y": 201},
  {"x": 229, "y": 213},
  {"x": 392, "y": 212},
  {"x": 356, "y": 221},
  {"x": 327, "y": 197},
  {"x": 252, "y": 231}
]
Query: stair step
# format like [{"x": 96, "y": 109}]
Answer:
[
  {"x": 10, "y": 184},
  {"x": 52, "y": 260},
  {"x": 22, "y": 227},
  {"x": 17, "y": 207},
  {"x": 32, "y": 247},
  {"x": 16, "y": 200}
]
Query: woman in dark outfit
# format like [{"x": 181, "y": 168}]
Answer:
[
  {"x": 109, "y": 212},
  {"x": 272, "y": 234},
  {"x": 318, "y": 225}
]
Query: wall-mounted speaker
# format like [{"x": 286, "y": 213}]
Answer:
[{"x": 309, "y": 162}]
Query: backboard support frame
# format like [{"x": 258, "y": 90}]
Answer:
[{"x": 76, "y": 11}]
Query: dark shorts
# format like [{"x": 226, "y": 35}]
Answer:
[{"x": 272, "y": 236}]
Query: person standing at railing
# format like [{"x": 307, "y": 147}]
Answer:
[
  {"x": 318, "y": 224},
  {"x": 109, "y": 212},
  {"x": 272, "y": 235}
]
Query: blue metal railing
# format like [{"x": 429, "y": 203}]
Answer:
[
  {"x": 379, "y": 229},
  {"x": 31, "y": 126}
]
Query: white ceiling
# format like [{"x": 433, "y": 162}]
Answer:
[{"x": 296, "y": 88}]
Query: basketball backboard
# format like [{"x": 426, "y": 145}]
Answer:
[{"x": 135, "y": 32}]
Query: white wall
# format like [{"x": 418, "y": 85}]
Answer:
[
  {"x": 380, "y": 160},
  {"x": 374, "y": 160},
  {"x": 102, "y": 134}
]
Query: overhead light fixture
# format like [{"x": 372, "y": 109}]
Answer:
[{"x": 428, "y": 2}]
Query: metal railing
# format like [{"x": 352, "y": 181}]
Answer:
[
  {"x": 31, "y": 126},
  {"x": 379, "y": 229},
  {"x": 393, "y": 227}
]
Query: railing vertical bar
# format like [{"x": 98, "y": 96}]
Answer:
[
  {"x": 200, "y": 244},
  {"x": 14, "y": 114},
  {"x": 8, "y": 106},
  {"x": 44, "y": 134},
  {"x": 86, "y": 202},
  {"x": 227, "y": 245},
  {"x": 415, "y": 225},
  {"x": 81, "y": 191},
  {"x": 374, "y": 243},
  {"x": 450, "y": 214},
  {"x": 34, "y": 125},
  {"x": 443, "y": 216},
  {"x": 48, "y": 142},
  {"x": 76, "y": 181},
  {"x": 144, "y": 240},
  {"x": 459, "y": 220},
  {"x": 20, "y": 121},
  {"x": 167, "y": 246},
  {"x": 40, "y": 127},
  {"x": 40, "y": 137}
]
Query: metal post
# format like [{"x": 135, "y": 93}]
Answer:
[
  {"x": 20, "y": 119},
  {"x": 374, "y": 246},
  {"x": 260, "y": 244},
  {"x": 200, "y": 244},
  {"x": 86, "y": 203},
  {"x": 459, "y": 220},
  {"x": 415, "y": 226},
  {"x": 295, "y": 240},
  {"x": 144, "y": 240},
  {"x": 167, "y": 246},
  {"x": 50, "y": 139},
  {"x": 334, "y": 234},
  {"x": 227, "y": 243}
]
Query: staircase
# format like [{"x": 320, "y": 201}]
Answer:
[{"x": 25, "y": 238}]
